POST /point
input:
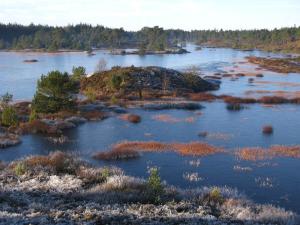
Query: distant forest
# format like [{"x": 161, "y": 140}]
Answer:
[{"x": 88, "y": 37}]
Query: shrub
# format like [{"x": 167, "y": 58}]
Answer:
[
  {"x": 154, "y": 186},
  {"x": 55, "y": 92},
  {"x": 78, "y": 73},
  {"x": 20, "y": 168},
  {"x": 37, "y": 126},
  {"x": 9, "y": 117},
  {"x": 215, "y": 195},
  {"x": 114, "y": 100},
  {"x": 5, "y": 99},
  {"x": 33, "y": 116},
  {"x": 90, "y": 93},
  {"x": 267, "y": 129}
]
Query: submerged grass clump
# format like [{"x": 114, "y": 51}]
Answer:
[{"x": 127, "y": 149}]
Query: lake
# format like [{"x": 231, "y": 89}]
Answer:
[{"x": 274, "y": 181}]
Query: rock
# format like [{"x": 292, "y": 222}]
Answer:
[
  {"x": 30, "y": 60},
  {"x": 75, "y": 120},
  {"x": 59, "y": 124},
  {"x": 8, "y": 140}
]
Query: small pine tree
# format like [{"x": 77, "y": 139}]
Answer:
[
  {"x": 155, "y": 186},
  {"x": 9, "y": 117}
]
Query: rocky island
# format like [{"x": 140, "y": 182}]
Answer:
[{"x": 144, "y": 82}]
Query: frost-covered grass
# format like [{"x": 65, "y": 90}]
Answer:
[{"x": 60, "y": 188}]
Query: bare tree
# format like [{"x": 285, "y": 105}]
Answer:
[{"x": 101, "y": 66}]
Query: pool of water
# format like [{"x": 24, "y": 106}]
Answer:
[{"x": 274, "y": 181}]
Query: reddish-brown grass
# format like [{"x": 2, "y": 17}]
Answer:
[
  {"x": 130, "y": 149},
  {"x": 236, "y": 100},
  {"x": 57, "y": 160},
  {"x": 195, "y": 149},
  {"x": 132, "y": 118},
  {"x": 273, "y": 100},
  {"x": 257, "y": 153},
  {"x": 202, "y": 97}
]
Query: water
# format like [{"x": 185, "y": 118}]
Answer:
[
  {"x": 229, "y": 130},
  {"x": 20, "y": 78}
]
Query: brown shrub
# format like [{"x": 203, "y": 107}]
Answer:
[
  {"x": 268, "y": 129},
  {"x": 38, "y": 126},
  {"x": 132, "y": 118},
  {"x": 59, "y": 161}
]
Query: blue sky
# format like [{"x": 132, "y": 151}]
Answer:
[{"x": 135, "y": 14}]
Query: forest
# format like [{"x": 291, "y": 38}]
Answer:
[{"x": 88, "y": 37}]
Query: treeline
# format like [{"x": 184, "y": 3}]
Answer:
[
  {"x": 285, "y": 39},
  {"x": 86, "y": 37}
]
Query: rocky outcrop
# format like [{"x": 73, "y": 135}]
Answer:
[{"x": 140, "y": 81}]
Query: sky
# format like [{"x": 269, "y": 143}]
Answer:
[{"x": 135, "y": 14}]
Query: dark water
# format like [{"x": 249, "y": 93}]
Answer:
[{"x": 229, "y": 130}]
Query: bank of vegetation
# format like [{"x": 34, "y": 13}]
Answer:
[{"x": 87, "y": 37}]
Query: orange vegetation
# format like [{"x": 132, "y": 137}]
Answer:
[
  {"x": 257, "y": 153},
  {"x": 125, "y": 150}
]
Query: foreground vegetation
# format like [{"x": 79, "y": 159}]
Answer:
[
  {"x": 60, "y": 188},
  {"x": 86, "y": 37}
]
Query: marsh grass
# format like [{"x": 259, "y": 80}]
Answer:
[
  {"x": 128, "y": 149},
  {"x": 276, "y": 151}
]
